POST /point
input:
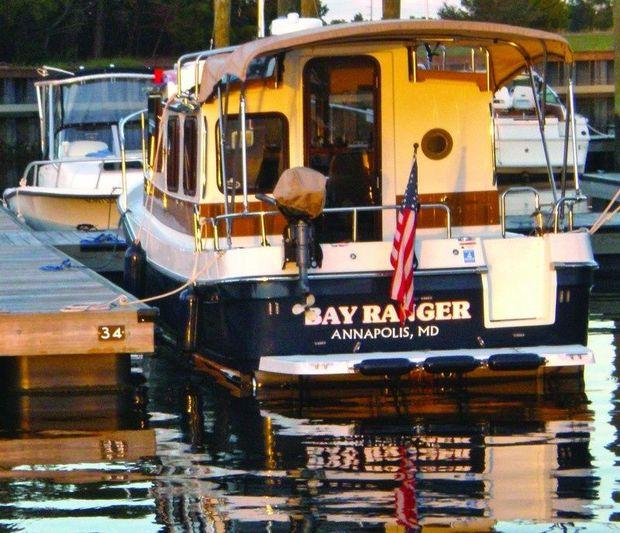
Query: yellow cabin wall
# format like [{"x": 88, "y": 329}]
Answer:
[{"x": 408, "y": 111}]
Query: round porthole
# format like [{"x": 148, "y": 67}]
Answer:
[{"x": 437, "y": 143}]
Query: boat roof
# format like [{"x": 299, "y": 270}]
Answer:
[
  {"x": 511, "y": 48},
  {"x": 61, "y": 77}
]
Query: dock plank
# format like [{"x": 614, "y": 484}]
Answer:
[{"x": 34, "y": 302}]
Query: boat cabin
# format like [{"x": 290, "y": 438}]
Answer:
[{"x": 350, "y": 108}]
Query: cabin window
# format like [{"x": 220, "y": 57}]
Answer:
[
  {"x": 203, "y": 157},
  {"x": 172, "y": 151},
  {"x": 437, "y": 143},
  {"x": 155, "y": 110},
  {"x": 190, "y": 155},
  {"x": 267, "y": 151},
  {"x": 447, "y": 61}
]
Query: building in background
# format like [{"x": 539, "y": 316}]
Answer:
[{"x": 19, "y": 124}]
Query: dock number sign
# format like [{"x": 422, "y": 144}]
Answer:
[{"x": 111, "y": 333}]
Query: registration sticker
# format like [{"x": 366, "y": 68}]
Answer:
[
  {"x": 469, "y": 256},
  {"x": 111, "y": 333}
]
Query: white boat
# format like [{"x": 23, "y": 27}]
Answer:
[
  {"x": 78, "y": 182},
  {"x": 518, "y": 146},
  {"x": 348, "y": 101},
  {"x": 601, "y": 185}
]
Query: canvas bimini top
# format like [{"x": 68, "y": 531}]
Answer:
[{"x": 510, "y": 48}]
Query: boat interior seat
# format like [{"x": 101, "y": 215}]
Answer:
[
  {"x": 523, "y": 98},
  {"x": 86, "y": 149},
  {"x": 349, "y": 179}
]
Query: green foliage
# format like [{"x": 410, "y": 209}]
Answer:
[
  {"x": 542, "y": 14},
  {"x": 591, "y": 42},
  {"x": 589, "y": 15},
  {"x": 574, "y": 15},
  {"x": 66, "y": 31}
]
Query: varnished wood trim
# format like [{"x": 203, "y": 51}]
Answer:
[
  {"x": 479, "y": 78},
  {"x": 178, "y": 214},
  {"x": 472, "y": 208}
]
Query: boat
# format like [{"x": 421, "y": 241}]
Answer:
[
  {"x": 261, "y": 294},
  {"x": 602, "y": 187},
  {"x": 77, "y": 183},
  {"x": 518, "y": 146}
]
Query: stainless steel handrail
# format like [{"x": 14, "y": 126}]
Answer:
[
  {"x": 121, "y": 134},
  {"x": 214, "y": 221},
  {"x": 570, "y": 201},
  {"x": 197, "y": 56},
  {"x": 514, "y": 190}
]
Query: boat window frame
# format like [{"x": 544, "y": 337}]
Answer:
[
  {"x": 231, "y": 118},
  {"x": 172, "y": 152},
  {"x": 194, "y": 159},
  {"x": 479, "y": 77},
  {"x": 203, "y": 147}
]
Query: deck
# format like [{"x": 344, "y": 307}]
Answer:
[{"x": 62, "y": 311}]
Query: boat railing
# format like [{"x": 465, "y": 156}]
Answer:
[
  {"x": 519, "y": 190},
  {"x": 121, "y": 133},
  {"x": 558, "y": 211},
  {"x": 565, "y": 203},
  {"x": 354, "y": 211},
  {"x": 32, "y": 170}
]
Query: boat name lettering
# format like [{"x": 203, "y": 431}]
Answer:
[{"x": 376, "y": 314}]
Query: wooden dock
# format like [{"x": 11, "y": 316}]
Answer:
[{"x": 62, "y": 311}]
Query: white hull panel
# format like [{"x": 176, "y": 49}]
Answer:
[
  {"x": 518, "y": 147},
  {"x": 46, "y": 209}
]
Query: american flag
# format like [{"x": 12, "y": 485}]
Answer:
[{"x": 403, "y": 247}]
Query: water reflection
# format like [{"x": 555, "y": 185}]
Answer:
[
  {"x": 359, "y": 460},
  {"x": 182, "y": 454},
  {"x": 69, "y": 461}
]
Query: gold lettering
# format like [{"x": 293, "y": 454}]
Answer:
[
  {"x": 331, "y": 316},
  {"x": 443, "y": 310},
  {"x": 313, "y": 317},
  {"x": 425, "y": 311},
  {"x": 390, "y": 314},
  {"x": 347, "y": 313},
  {"x": 460, "y": 310},
  {"x": 371, "y": 314}
]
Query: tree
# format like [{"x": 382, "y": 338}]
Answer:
[
  {"x": 309, "y": 8},
  {"x": 285, "y": 7},
  {"x": 221, "y": 23},
  {"x": 589, "y": 15},
  {"x": 542, "y": 14},
  {"x": 391, "y": 9}
]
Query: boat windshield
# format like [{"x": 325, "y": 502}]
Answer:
[
  {"x": 86, "y": 114},
  {"x": 98, "y": 101}
]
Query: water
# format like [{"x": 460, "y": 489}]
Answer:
[{"x": 181, "y": 454}]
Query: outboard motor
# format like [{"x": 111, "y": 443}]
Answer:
[{"x": 300, "y": 197}]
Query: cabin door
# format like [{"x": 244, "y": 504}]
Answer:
[{"x": 341, "y": 140}]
